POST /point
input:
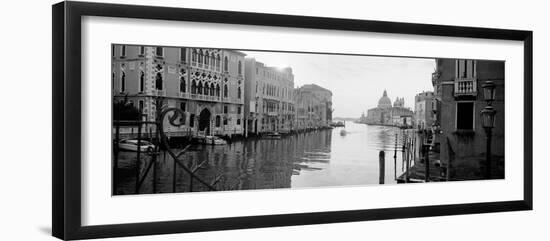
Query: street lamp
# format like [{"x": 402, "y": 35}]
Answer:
[
  {"x": 488, "y": 117},
  {"x": 489, "y": 91},
  {"x": 488, "y": 121}
]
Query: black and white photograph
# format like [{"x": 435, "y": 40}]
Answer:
[
  {"x": 275, "y": 120},
  {"x": 196, "y": 119}
]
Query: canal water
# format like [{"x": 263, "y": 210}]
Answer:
[{"x": 315, "y": 159}]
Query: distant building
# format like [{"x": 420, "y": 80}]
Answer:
[
  {"x": 424, "y": 106},
  {"x": 269, "y": 98},
  {"x": 386, "y": 114},
  {"x": 313, "y": 107},
  {"x": 325, "y": 97},
  {"x": 206, "y": 84},
  {"x": 459, "y": 101}
]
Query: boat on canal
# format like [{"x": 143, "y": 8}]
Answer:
[
  {"x": 273, "y": 135},
  {"x": 132, "y": 145},
  {"x": 211, "y": 140}
]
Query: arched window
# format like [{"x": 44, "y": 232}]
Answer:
[
  {"x": 183, "y": 53},
  {"x": 240, "y": 67},
  {"x": 199, "y": 89},
  {"x": 212, "y": 90},
  {"x": 218, "y": 121},
  {"x": 206, "y": 58},
  {"x": 158, "y": 81},
  {"x": 218, "y": 90},
  {"x": 225, "y": 91},
  {"x": 200, "y": 57},
  {"x": 212, "y": 59},
  {"x": 225, "y": 64},
  {"x": 239, "y": 92},
  {"x": 218, "y": 61},
  {"x": 141, "y": 81},
  {"x": 182, "y": 84},
  {"x": 194, "y": 55},
  {"x": 194, "y": 87},
  {"x": 159, "y": 51},
  {"x": 123, "y": 82}
]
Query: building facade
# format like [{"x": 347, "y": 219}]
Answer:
[
  {"x": 325, "y": 97},
  {"x": 206, "y": 84},
  {"x": 459, "y": 101},
  {"x": 269, "y": 98},
  {"x": 424, "y": 106},
  {"x": 387, "y": 114},
  {"x": 313, "y": 107}
]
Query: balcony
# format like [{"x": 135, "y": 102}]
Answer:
[
  {"x": 211, "y": 98},
  {"x": 465, "y": 87},
  {"x": 184, "y": 95},
  {"x": 272, "y": 113},
  {"x": 159, "y": 92},
  {"x": 232, "y": 100},
  {"x": 205, "y": 97}
]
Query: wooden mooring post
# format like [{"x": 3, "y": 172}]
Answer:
[
  {"x": 382, "y": 165},
  {"x": 406, "y": 150},
  {"x": 403, "y": 164},
  {"x": 395, "y": 159},
  {"x": 115, "y": 150},
  {"x": 138, "y": 157}
]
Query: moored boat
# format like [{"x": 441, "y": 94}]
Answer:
[
  {"x": 211, "y": 140},
  {"x": 132, "y": 145},
  {"x": 273, "y": 135}
]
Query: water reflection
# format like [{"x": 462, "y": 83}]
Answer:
[{"x": 314, "y": 159}]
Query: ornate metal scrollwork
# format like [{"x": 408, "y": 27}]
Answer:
[{"x": 175, "y": 120}]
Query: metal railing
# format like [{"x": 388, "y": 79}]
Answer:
[
  {"x": 205, "y": 97},
  {"x": 159, "y": 92},
  {"x": 160, "y": 141},
  {"x": 465, "y": 87},
  {"x": 184, "y": 95}
]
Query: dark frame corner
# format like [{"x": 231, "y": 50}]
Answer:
[{"x": 66, "y": 85}]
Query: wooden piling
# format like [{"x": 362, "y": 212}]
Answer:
[
  {"x": 403, "y": 153},
  {"x": 115, "y": 150},
  {"x": 395, "y": 159},
  {"x": 154, "y": 160},
  {"x": 407, "y": 159},
  {"x": 190, "y": 183},
  {"x": 138, "y": 157},
  {"x": 426, "y": 151},
  {"x": 382, "y": 165}
]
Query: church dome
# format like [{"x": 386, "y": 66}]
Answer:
[{"x": 385, "y": 101}]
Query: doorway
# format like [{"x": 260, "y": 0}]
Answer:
[{"x": 204, "y": 121}]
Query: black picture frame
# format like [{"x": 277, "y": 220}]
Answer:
[{"x": 66, "y": 122}]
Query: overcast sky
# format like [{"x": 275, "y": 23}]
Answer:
[{"x": 356, "y": 82}]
